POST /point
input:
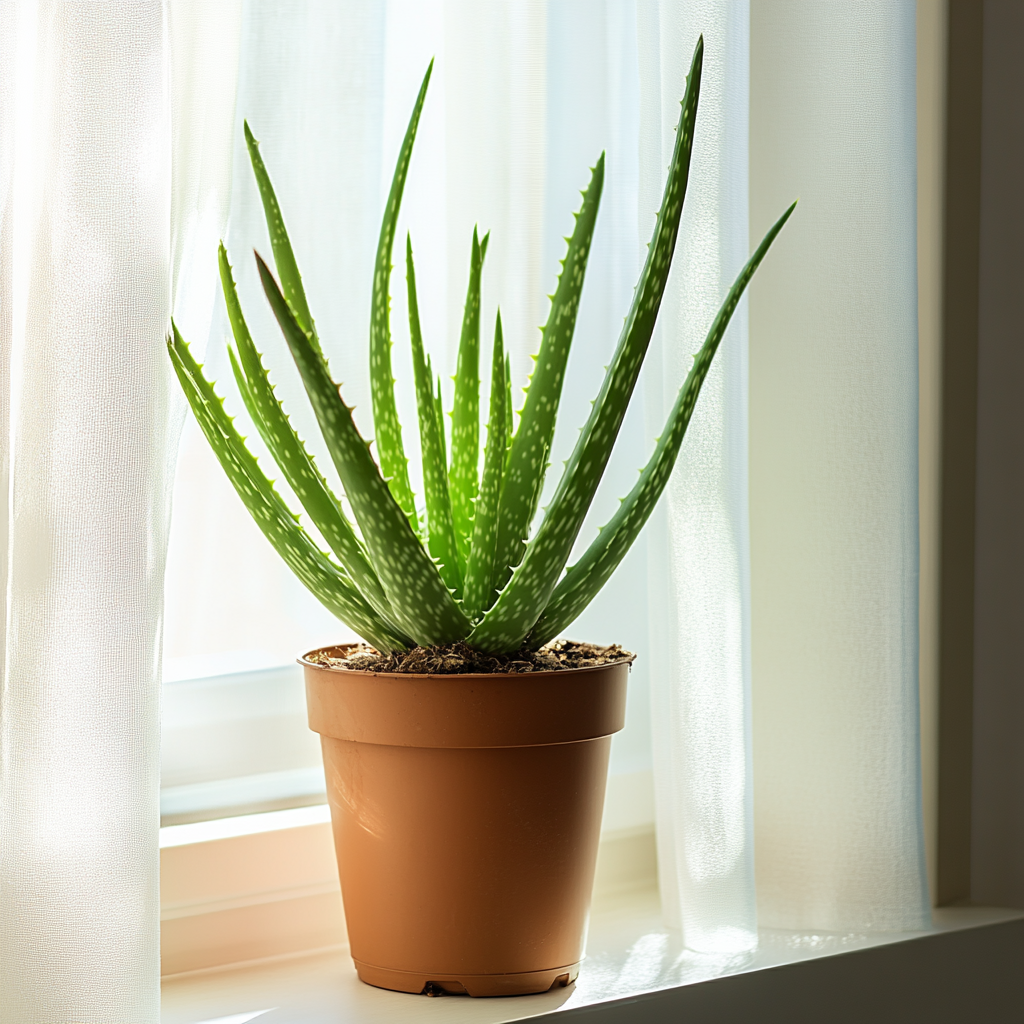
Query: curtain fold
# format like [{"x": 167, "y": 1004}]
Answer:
[
  {"x": 699, "y": 548},
  {"x": 834, "y": 467},
  {"x": 95, "y": 126},
  {"x": 79, "y": 718},
  {"x": 203, "y": 44}
]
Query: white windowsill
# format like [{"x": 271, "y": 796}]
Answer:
[
  {"x": 260, "y": 894},
  {"x": 965, "y": 969}
]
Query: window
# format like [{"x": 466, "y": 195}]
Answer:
[{"x": 236, "y": 618}]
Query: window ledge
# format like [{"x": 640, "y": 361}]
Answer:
[{"x": 967, "y": 968}]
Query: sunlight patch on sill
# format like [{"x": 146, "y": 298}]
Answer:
[
  {"x": 243, "y": 825},
  {"x": 238, "y": 1018}
]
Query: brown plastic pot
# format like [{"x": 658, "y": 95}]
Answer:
[{"x": 466, "y": 812}]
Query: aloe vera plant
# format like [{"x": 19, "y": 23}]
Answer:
[{"x": 465, "y": 567}]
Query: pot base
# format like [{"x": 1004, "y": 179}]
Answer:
[{"x": 467, "y": 984}]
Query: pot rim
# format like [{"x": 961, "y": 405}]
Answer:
[{"x": 304, "y": 661}]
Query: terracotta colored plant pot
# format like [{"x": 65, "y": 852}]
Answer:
[{"x": 466, "y": 813}]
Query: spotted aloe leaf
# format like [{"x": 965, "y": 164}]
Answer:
[
  {"x": 464, "y": 469},
  {"x": 441, "y": 532},
  {"x": 290, "y": 453},
  {"x": 423, "y": 605},
  {"x": 527, "y": 458},
  {"x": 390, "y": 450},
  {"x": 523, "y": 600},
  {"x": 326, "y": 581},
  {"x": 508, "y": 405},
  {"x": 284, "y": 257},
  {"x": 439, "y": 411},
  {"x": 583, "y": 581},
  {"x": 480, "y": 571}
]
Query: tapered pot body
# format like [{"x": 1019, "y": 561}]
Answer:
[{"x": 466, "y": 812}]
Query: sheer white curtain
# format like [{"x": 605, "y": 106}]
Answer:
[
  {"x": 834, "y": 767},
  {"x": 89, "y": 237},
  {"x": 834, "y": 467}
]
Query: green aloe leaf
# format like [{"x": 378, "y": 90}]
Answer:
[
  {"x": 393, "y": 463},
  {"x": 584, "y": 580},
  {"x": 423, "y": 605},
  {"x": 439, "y": 407},
  {"x": 284, "y": 257},
  {"x": 508, "y": 405},
  {"x": 522, "y": 601},
  {"x": 527, "y": 458},
  {"x": 465, "y": 466},
  {"x": 326, "y": 581},
  {"x": 435, "y": 477},
  {"x": 290, "y": 453},
  {"x": 480, "y": 571}
]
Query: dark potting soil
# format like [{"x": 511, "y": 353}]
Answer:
[{"x": 456, "y": 659}]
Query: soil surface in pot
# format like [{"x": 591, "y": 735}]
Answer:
[{"x": 456, "y": 659}]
